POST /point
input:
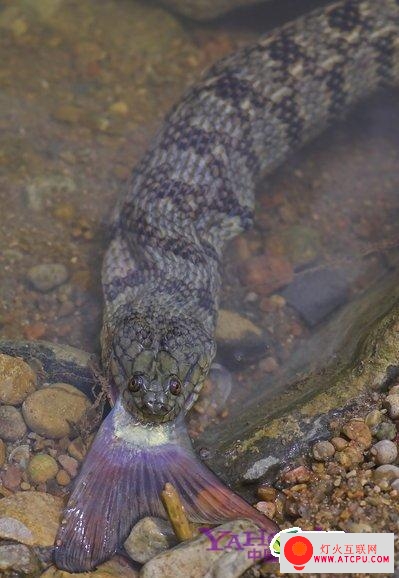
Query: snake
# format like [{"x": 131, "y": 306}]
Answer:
[{"x": 191, "y": 193}]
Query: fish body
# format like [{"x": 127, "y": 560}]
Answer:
[{"x": 190, "y": 194}]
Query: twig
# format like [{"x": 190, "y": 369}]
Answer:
[{"x": 176, "y": 513}]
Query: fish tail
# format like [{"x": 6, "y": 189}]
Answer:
[{"x": 121, "y": 482}]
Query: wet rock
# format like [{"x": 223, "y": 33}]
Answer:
[
  {"x": 47, "y": 276},
  {"x": 69, "y": 464},
  {"x": 323, "y": 451},
  {"x": 20, "y": 456},
  {"x": 297, "y": 475},
  {"x": 117, "y": 567},
  {"x": 12, "y": 477},
  {"x": 299, "y": 243},
  {"x": 63, "y": 478},
  {"x": 359, "y": 432},
  {"x": 386, "y": 472},
  {"x": 373, "y": 418},
  {"x": 266, "y": 493},
  {"x": 12, "y": 425},
  {"x": 386, "y": 431},
  {"x": 18, "y": 558},
  {"x": 42, "y": 468},
  {"x": 317, "y": 293},
  {"x": 267, "y": 508},
  {"x": 149, "y": 537},
  {"x": 349, "y": 457},
  {"x": 384, "y": 452},
  {"x": 195, "y": 559},
  {"x": 51, "y": 411},
  {"x": 392, "y": 403},
  {"x": 339, "y": 443},
  {"x": 240, "y": 341},
  {"x": 41, "y": 188},
  {"x": 17, "y": 380},
  {"x": 31, "y": 518},
  {"x": 265, "y": 274}
]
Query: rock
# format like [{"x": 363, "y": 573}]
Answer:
[
  {"x": 50, "y": 411},
  {"x": 47, "y": 276},
  {"x": 63, "y": 478},
  {"x": 373, "y": 418},
  {"x": 392, "y": 403},
  {"x": 196, "y": 559},
  {"x": 17, "y": 558},
  {"x": 240, "y": 341},
  {"x": 69, "y": 464},
  {"x": 317, "y": 293},
  {"x": 267, "y": 508},
  {"x": 323, "y": 451},
  {"x": 2, "y": 453},
  {"x": 386, "y": 472},
  {"x": 359, "y": 528},
  {"x": 12, "y": 477},
  {"x": 31, "y": 518},
  {"x": 269, "y": 364},
  {"x": 12, "y": 425},
  {"x": 339, "y": 443},
  {"x": 299, "y": 243},
  {"x": 77, "y": 449},
  {"x": 149, "y": 537},
  {"x": 386, "y": 431},
  {"x": 42, "y": 468},
  {"x": 117, "y": 567},
  {"x": 395, "y": 485},
  {"x": 298, "y": 475},
  {"x": 266, "y": 493},
  {"x": 265, "y": 274},
  {"x": 17, "y": 380},
  {"x": 384, "y": 452},
  {"x": 349, "y": 457},
  {"x": 20, "y": 456},
  {"x": 359, "y": 432},
  {"x": 394, "y": 390}
]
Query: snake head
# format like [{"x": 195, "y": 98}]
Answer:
[{"x": 159, "y": 364}]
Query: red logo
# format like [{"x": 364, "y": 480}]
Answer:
[{"x": 298, "y": 550}]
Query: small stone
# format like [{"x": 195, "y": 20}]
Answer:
[
  {"x": 267, "y": 508},
  {"x": 386, "y": 472},
  {"x": 359, "y": 432},
  {"x": 77, "y": 449},
  {"x": 394, "y": 390},
  {"x": 17, "y": 558},
  {"x": 68, "y": 113},
  {"x": 62, "y": 478},
  {"x": 265, "y": 274},
  {"x": 12, "y": 425},
  {"x": 69, "y": 464},
  {"x": 20, "y": 456},
  {"x": 392, "y": 403},
  {"x": 395, "y": 484},
  {"x": 323, "y": 451},
  {"x": 266, "y": 494},
  {"x": 386, "y": 431},
  {"x": 384, "y": 452},
  {"x": 373, "y": 418},
  {"x": 50, "y": 411},
  {"x": 42, "y": 468},
  {"x": 149, "y": 537},
  {"x": 339, "y": 443},
  {"x": 31, "y": 518},
  {"x": 35, "y": 330},
  {"x": 298, "y": 475},
  {"x": 47, "y": 276},
  {"x": 17, "y": 380},
  {"x": 349, "y": 457},
  {"x": 2, "y": 453},
  {"x": 359, "y": 528},
  {"x": 12, "y": 477}
]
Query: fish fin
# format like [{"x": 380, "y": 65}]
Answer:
[{"x": 121, "y": 481}]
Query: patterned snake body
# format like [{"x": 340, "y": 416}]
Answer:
[
  {"x": 192, "y": 192},
  {"x": 194, "y": 189}
]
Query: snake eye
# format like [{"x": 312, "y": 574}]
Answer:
[
  {"x": 136, "y": 382},
  {"x": 174, "y": 386}
]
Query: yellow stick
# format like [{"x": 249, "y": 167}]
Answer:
[{"x": 176, "y": 513}]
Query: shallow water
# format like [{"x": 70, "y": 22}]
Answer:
[{"x": 84, "y": 87}]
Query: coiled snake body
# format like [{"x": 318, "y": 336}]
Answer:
[
  {"x": 194, "y": 189},
  {"x": 192, "y": 192}
]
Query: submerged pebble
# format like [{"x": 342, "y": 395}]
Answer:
[
  {"x": 323, "y": 450},
  {"x": 51, "y": 411},
  {"x": 392, "y": 403},
  {"x": 18, "y": 558},
  {"x": 17, "y": 380},
  {"x": 149, "y": 537},
  {"x": 47, "y": 276},
  {"x": 12, "y": 425},
  {"x": 42, "y": 468},
  {"x": 384, "y": 452}
]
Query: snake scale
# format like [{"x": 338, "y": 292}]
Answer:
[{"x": 192, "y": 192}]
